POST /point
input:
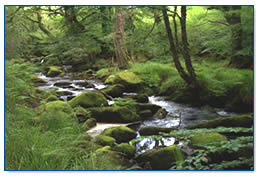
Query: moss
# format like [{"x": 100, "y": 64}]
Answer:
[
  {"x": 149, "y": 130},
  {"x": 161, "y": 159},
  {"x": 145, "y": 114},
  {"x": 121, "y": 133},
  {"x": 51, "y": 98},
  {"x": 58, "y": 106},
  {"x": 54, "y": 71},
  {"x": 81, "y": 114},
  {"x": 126, "y": 149},
  {"x": 141, "y": 98},
  {"x": 207, "y": 138},
  {"x": 89, "y": 123},
  {"x": 89, "y": 99},
  {"x": 152, "y": 107},
  {"x": 245, "y": 120},
  {"x": 110, "y": 80},
  {"x": 104, "y": 140},
  {"x": 104, "y": 149},
  {"x": 128, "y": 78},
  {"x": 114, "y": 114},
  {"x": 114, "y": 90},
  {"x": 37, "y": 80}
]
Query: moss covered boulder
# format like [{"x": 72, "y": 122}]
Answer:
[
  {"x": 58, "y": 106},
  {"x": 149, "y": 130},
  {"x": 89, "y": 99},
  {"x": 114, "y": 90},
  {"x": 54, "y": 71},
  {"x": 162, "y": 158},
  {"x": 128, "y": 79},
  {"x": 104, "y": 140},
  {"x": 142, "y": 106},
  {"x": 81, "y": 113},
  {"x": 140, "y": 98},
  {"x": 37, "y": 80},
  {"x": 245, "y": 120},
  {"x": 126, "y": 149},
  {"x": 121, "y": 133},
  {"x": 110, "y": 80},
  {"x": 89, "y": 123},
  {"x": 113, "y": 114},
  {"x": 207, "y": 138}
]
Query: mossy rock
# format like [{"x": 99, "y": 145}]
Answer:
[
  {"x": 140, "y": 98},
  {"x": 143, "y": 106},
  {"x": 145, "y": 114},
  {"x": 207, "y": 138},
  {"x": 51, "y": 98},
  {"x": 114, "y": 90},
  {"x": 245, "y": 120},
  {"x": 89, "y": 99},
  {"x": 121, "y": 133},
  {"x": 82, "y": 114},
  {"x": 126, "y": 149},
  {"x": 89, "y": 123},
  {"x": 63, "y": 84},
  {"x": 161, "y": 113},
  {"x": 110, "y": 80},
  {"x": 104, "y": 140},
  {"x": 58, "y": 106},
  {"x": 37, "y": 80},
  {"x": 113, "y": 114},
  {"x": 54, "y": 71},
  {"x": 64, "y": 93},
  {"x": 129, "y": 80},
  {"x": 162, "y": 158},
  {"x": 149, "y": 130}
]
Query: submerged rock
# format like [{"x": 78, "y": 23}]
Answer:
[
  {"x": 114, "y": 90},
  {"x": 54, "y": 71},
  {"x": 64, "y": 93},
  {"x": 63, "y": 84},
  {"x": 206, "y": 138},
  {"x": 89, "y": 99},
  {"x": 245, "y": 120},
  {"x": 162, "y": 158},
  {"x": 114, "y": 114},
  {"x": 121, "y": 133},
  {"x": 149, "y": 130}
]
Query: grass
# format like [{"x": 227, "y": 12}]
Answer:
[{"x": 43, "y": 140}]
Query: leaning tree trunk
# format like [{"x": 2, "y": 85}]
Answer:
[{"x": 120, "y": 51}]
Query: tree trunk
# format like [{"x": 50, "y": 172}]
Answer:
[
  {"x": 175, "y": 27},
  {"x": 105, "y": 27},
  {"x": 120, "y": 51},
  {"x": 173, "y": 49},
  {"x": 185, "y": 50}
]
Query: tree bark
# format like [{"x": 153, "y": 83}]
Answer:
[
  {"x": 185, "y": 50},
  {"x": 173, "y": 49},
  {"x": 120, "y": 51}
]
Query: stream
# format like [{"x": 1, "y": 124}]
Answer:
[{"x": 69, "y": 88}]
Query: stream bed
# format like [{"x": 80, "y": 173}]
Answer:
[{"x": 178, "y": 115}]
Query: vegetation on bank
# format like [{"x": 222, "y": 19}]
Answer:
[{"x": 201, "y": 56}]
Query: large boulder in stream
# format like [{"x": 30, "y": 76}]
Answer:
[
  {"x": 114, "y": 90},
  {"x": 113, "y": 114},
  {"x": 245, "y": 120},
  {"x": 120, "y": 134},
  {"x": 125, "y": 148},
  {"x": 54, "y": 71},
  {"x": 149, "y": 130},
  {"x": 89, "y": 99},
  {"x": 162, "y": 158},
  {"x": 58, "y": 106},
  {"x": 128, "y": 79}
]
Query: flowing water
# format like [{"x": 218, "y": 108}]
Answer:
[{"x": 179, "y": 115}]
